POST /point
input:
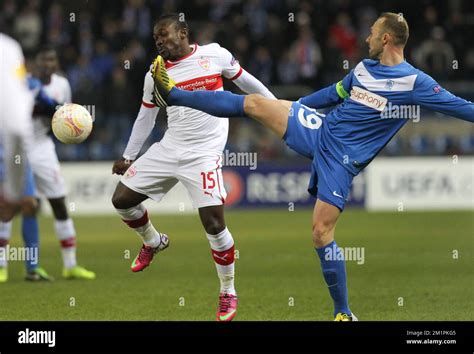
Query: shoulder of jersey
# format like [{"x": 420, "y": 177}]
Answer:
[
  {"x": 212, "y": 47},
  {"x": 9, "y": 41},
  {"x": 369, "y": 62},
  {"x": 60, "y": 77},
  {"x": 11, "y": 47}
]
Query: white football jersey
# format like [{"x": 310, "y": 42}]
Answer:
[
  {"x": 16, "y": 100},
  {"x": 202, "y": 69},
  {"x": 16, "y": 105},
  {"x": 59, "y": 90}
]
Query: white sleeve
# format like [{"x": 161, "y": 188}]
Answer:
[
  {"x": 230, "y": 66},
  {"x": 232, "y": 70},
  {"x": 250, "y": 84},
  {"x": 144, "y": 122},
  {"x": 67, "y": 92},
  {"x": 148, "y": 86}
]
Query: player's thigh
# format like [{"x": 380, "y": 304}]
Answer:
[
  {"x": 46, "y": 169},
  {"x": 273, "y": 114},
  {"x": 303, "y": 131},
  {"x": 325, "y": 215},
  {"x": 153, "y": 174},
  {"x": 201, "y": 174}
]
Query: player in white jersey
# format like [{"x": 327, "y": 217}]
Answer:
[
  {"x": 45, "y": 164},
  {"x": 190, "y": 152},
  {"x": 16, "y": 103}
]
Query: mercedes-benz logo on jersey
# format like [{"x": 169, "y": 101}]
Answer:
[{"x": 389, "y": 84}]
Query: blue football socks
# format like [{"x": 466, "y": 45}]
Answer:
[{"x": 334, "y": 272}]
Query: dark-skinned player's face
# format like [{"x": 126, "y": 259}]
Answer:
[
  {"x": 47, "y": 63},
  {"x": 169, "y": 39}
]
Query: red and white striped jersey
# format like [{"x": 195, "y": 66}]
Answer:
[{"x": 202, "y": 69}]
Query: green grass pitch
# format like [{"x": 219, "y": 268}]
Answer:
[{"x": 417, "y": 266}]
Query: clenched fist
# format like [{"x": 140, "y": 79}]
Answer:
[{"x": 121, "y": 166}]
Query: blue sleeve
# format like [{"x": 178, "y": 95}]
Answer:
[
  {"x": 43, "y": 103},
  {"x": 329, "y": 96},
  {"x": 43, "y": 99},
  {"x": 429, "y": 94}
]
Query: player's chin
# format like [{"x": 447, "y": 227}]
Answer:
[
  {"x": 164, "y": 54},
  {"x": 374, "y": 54}
]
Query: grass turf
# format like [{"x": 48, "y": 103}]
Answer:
[{"x": 410, "y": 270}]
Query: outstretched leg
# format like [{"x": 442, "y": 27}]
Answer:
[{"x": 271, "y": 113}]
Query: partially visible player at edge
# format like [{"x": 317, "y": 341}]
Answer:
[
  {"x": 190, "y": 152},
  {"x": 29, "y": 228},
  {"x": 345, "y": 141},
  {"x": 45, "y": 164},
  {"x": 16, "y": 103}
]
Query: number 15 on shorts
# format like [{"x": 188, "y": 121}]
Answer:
[
  {"x": 208, "y": 180},
  {"x": 213, "y": 186}
]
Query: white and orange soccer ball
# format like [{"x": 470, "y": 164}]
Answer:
[{"x": 72, "y": 123}]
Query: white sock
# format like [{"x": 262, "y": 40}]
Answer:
[
  {"x": 222, "y": 248},
  {"x": 5, "y": 230},
  {"x": 5, "y": 234},
  {"x": 137, "y": 219},
  {"x": 67, "y": 236}
]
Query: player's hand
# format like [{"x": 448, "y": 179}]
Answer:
[{"x": 121, "y": 166}]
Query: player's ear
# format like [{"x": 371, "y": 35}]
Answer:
[{"x": 183, "y": 33}]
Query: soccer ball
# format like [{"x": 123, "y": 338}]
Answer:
[{"x": 71, "y": 123}]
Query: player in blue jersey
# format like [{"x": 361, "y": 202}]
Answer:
[{"x": 344, "y": 141}]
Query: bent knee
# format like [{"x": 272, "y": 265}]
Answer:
[
  {"x": 119, "y": 201},
  {"x": 252, "y": 102},
  {"x": 214, "y": 226},
  {"x": 322, "y": 233},
  {"x": 29, "y": 206}
]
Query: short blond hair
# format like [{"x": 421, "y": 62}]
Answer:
[{"x": 397, "y": 26}]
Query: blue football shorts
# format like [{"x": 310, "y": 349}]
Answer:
[{"x": 330, "y": 180}]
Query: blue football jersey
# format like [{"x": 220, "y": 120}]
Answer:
[{"x": 371, "y": 101}]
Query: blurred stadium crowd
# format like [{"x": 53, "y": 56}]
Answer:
[{"x": 295, "y": 47}]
